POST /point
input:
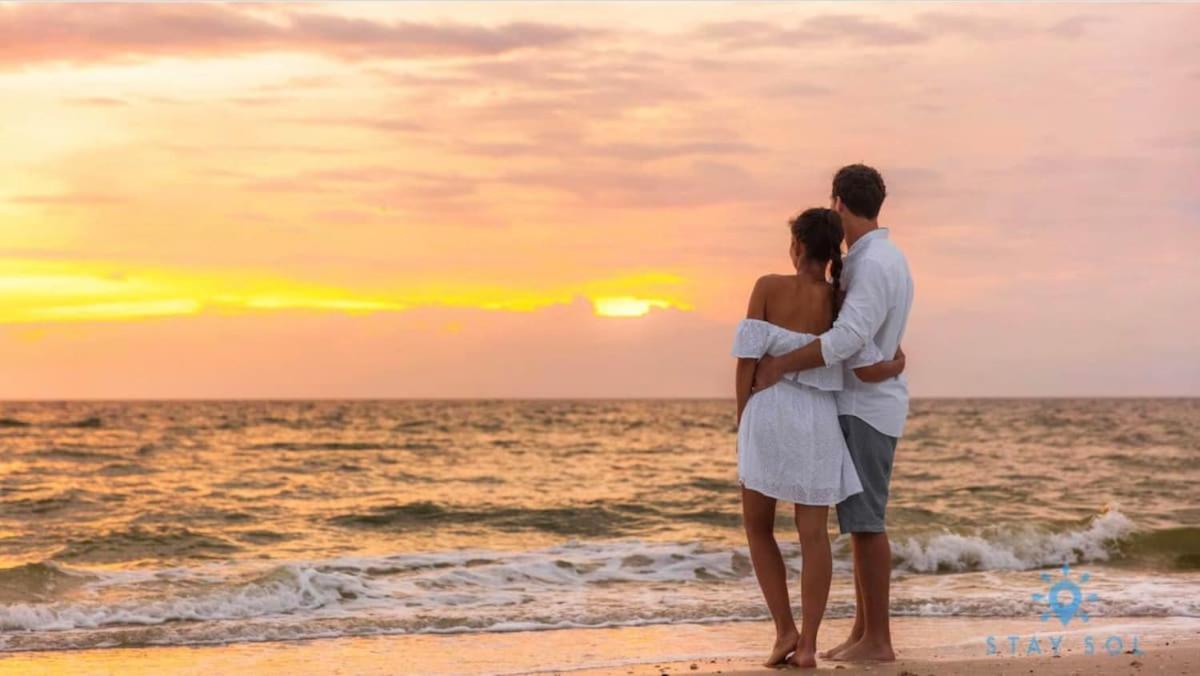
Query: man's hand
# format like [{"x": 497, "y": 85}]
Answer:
[{"x": 767, "y": 373}]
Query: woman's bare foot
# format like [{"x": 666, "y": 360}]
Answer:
[
  {"x": 784, "y": 645},
  {"x": 868, "y": 651},
  {"x": 835, "y": 652}
]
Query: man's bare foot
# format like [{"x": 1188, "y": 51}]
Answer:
[
  {"x": 868, "y": 651},
  {"x": 833, "y": 653},
  {"x": 784, "y": 645},
  {"x": 805, "y": 658}
]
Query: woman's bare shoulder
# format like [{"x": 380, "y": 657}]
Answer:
[
  {"x": 801, "y": 305},
  {"x": 773, "y": 280}
]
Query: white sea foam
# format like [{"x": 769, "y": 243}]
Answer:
[
  {"x": 588, "y": 584},
  {"x": 286, "y": 589},
  {"x": 1013, "y": 549}
]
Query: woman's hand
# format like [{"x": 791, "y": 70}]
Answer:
[
  {"x": 766, "y": 374},
  {"x": 877, "y": 373}
]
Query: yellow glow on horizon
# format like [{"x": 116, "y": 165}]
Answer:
[
  {"x": 118, "y": 310},
  {"x": 298, "y": 301},
  {"x": 66, "y": 291},
  {"x": 626, "y": 306}
]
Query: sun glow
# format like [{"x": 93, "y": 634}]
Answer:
[
  {"x": 626, "y": 306},
  {"x": 64, "y": 291}
]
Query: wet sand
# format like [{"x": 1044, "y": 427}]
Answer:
[
  {"x": 1180, "y": 660},
  {"x": 926, "y": 646}
]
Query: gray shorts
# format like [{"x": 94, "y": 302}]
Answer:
[{"x": 872, "y": 452}]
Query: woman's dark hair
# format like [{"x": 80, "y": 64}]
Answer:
[
  {"x": 820, "y": 230},
  {"x": 861, "y": 189}
]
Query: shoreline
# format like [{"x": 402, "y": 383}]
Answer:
[
  {"x": 946, "y": 645},
  {"x": 1181, "y": 660}
]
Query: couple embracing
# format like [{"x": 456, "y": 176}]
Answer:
[{"x": 821, "y": 403}]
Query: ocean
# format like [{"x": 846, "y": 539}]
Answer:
[{"x": 184, "y": 523}]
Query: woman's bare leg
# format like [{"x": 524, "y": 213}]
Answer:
[
  {"x": 814, "y": 579},
  {"x": 758, "y": 517},
  {"x": 856, "y": 631}
]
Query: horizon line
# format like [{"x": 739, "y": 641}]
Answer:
[{"x": 552, "y": 398}]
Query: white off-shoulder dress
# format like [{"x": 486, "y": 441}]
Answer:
[{"x": 789, "y": 442}]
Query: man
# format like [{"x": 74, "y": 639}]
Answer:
[{"x": 879, "y": 294}]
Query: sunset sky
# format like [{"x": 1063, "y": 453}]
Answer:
[{"x": 536, "y": 200}]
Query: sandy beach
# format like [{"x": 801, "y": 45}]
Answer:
[{"x": 926, "y": 646}]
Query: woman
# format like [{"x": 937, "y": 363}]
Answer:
[{"x": 789, "y": 444}]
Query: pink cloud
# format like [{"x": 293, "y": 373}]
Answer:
[
  {"x": 96, "y": 101},
  {"x": 103, "y": 33}
]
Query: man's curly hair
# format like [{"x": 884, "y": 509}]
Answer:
[{"x": 861, "y": 189}]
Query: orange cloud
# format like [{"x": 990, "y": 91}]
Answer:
[{"x": 64, "y": 199}]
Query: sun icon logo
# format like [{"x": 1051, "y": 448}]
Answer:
[{"x": 1065, "y": 597}]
